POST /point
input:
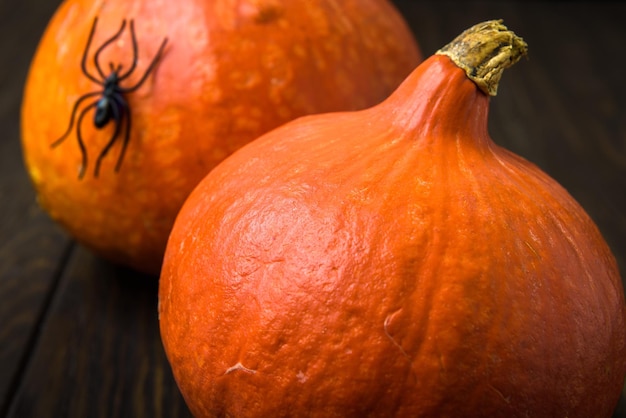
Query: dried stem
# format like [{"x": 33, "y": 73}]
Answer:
[{"x": 484, "y": 51}]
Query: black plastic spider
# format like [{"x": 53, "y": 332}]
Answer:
[{"x": 111, "y": 105}]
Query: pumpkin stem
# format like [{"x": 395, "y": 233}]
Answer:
[{"x": 484, "y": 51}]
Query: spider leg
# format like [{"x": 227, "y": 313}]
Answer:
[
  {"x": 134, "y": 63},
  {"x": 148, "y": 70},
  {"x": 115, "y": 69},
  {"x": 119, "y": 110},
  {"x": 96, "y": 56},
  {"x": 83, "y": 63},
  {"x": 81, "y": 143},
  {"x": 126, "y": 135},
  {"x": 74, "y": 109}
]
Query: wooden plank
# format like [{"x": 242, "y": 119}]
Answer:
[
  {"x": 29, "y": 266},
  {"x": 32, "y": 248},
  {"x": 100, "y": 353}
]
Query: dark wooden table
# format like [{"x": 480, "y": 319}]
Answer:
[{"x": 79, "y": 337}]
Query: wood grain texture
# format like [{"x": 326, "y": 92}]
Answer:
[
  {"x": 99, "y": 353},
  {"x": 32, "y": 249},
  {"x": 79, "y": 336}
]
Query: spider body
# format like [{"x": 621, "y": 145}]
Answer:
[
  {"x": 111, "y": 105},
  {"x": 111, "y": 100}
]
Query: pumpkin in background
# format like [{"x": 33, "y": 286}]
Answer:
[
  {"x": 228, "y": 72},
  {"x": 393, "y": 262}
]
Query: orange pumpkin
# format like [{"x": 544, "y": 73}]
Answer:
[
  {"x": 228, "y": 72},
  {"x": 393, "y": 262}
]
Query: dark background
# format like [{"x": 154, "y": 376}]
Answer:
[{"x": 79, "y": 336}]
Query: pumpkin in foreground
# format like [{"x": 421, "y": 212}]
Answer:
[
  {"x": 227, "y": 72},
  {"x": 393, "y": 262}
]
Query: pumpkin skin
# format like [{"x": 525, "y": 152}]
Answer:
[
  {"x": 393, "y": 261},
  {"x": 229, "y": 72}
]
